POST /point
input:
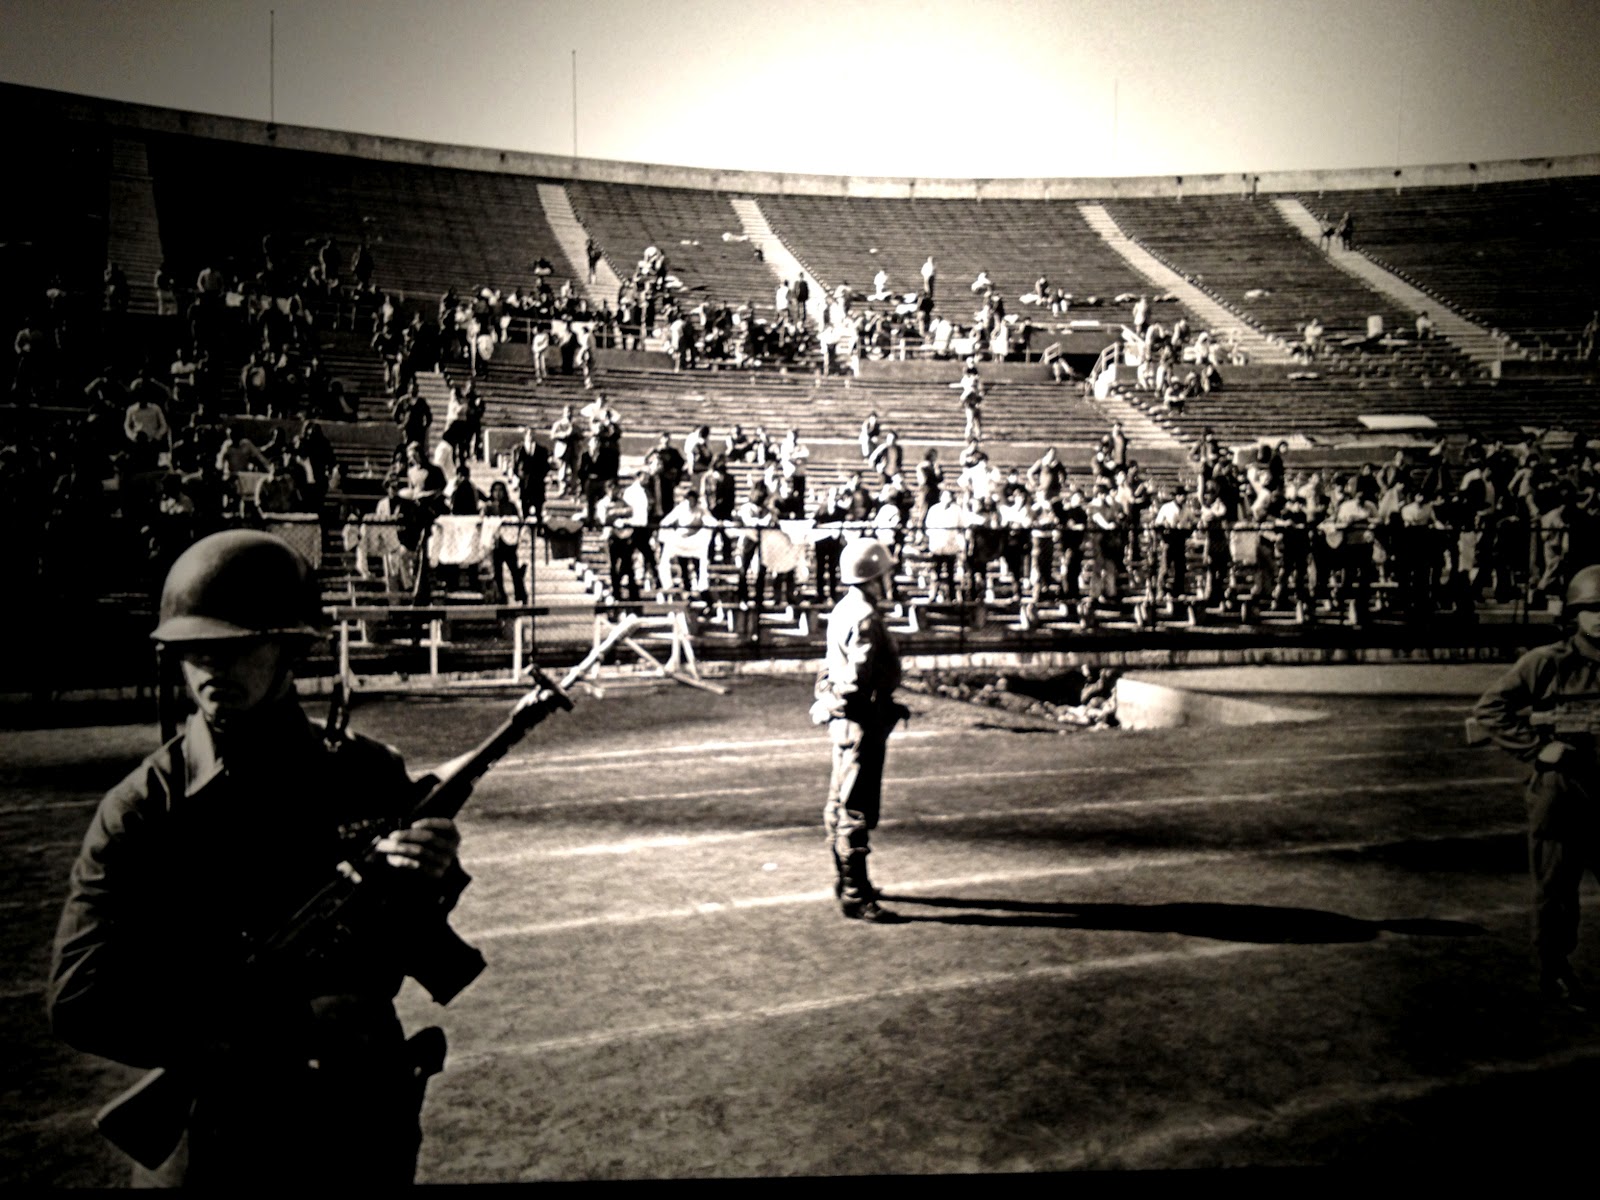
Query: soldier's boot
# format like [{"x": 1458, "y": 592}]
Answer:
[
  {"x": 858, "y": 899},
  {"x": 1559, "y": 986}
]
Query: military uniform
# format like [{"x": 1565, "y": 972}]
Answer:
[
  {"x": 1520, "y": 714},
  {"x": 281, "y": 1072},
  {"x": 855, "y": 696},
  {"x": 210, "y": 841}
]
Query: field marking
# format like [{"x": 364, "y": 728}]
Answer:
[
  {"x": 1057, "y": 971},
  {"x": 684, "y": 841},
  {"x": 1063, "y": 971},
  {"x": 1102, "y": 866},
  {"x": 1137, "y": 1152},
  {"x": 680, "y": 748},
  {"x": 1040, "y": 772}
]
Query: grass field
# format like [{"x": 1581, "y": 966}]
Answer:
[{"x": 1283, "y": 944}]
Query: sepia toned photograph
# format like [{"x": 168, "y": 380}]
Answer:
[{"x": 699, "y": 591}]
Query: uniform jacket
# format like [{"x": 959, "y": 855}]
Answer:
[
  {"x": 1564, "y": 674},
  {"x": 201, "y": 846},
  {"x": 861, "y": 667}
]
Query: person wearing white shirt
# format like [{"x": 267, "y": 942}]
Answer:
[
  {"x": 945, "y": 526},
  {"x": 880, "y": 284},
  {"x": 780, "y": 299},
  {"x": 1352, "y": 539}
]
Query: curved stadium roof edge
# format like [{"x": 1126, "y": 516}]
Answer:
[{"x": 17, "y": 101}]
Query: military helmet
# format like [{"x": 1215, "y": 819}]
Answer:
[
  {"x": 864, "y": 560},
  {"x": 1584, "y": 590},
  {"x": 239, "y": 584}
]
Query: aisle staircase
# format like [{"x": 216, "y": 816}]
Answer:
[
  {"x": 778, "y": 256},
  {"x": 1473, "y": 340},
  {"x": 133, "y": 237},
  {"x": 1214, "y": 316},
  {"x": 574, "y": 238}
]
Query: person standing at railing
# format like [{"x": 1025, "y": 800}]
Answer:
[
  {"x": 530, "y": 467},
  {"x": 1351, "y": 537},
  {"x": 753, "y": 516},
  {"x": 1173, "y": 523},
  {"x": 1216, "y": 524},
  {"x": 1014, "y": 522},
  {"x": 830, "y": 518},
  {"x": 615, "y": 516}
]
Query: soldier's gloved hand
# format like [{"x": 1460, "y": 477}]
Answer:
[{"x": 428, "y": 846}]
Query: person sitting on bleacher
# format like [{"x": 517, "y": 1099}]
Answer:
[
  {"x": 691, "y": 531},
  {"x": 738, "y": 447},
  {"x": 1426, "y": 329}
]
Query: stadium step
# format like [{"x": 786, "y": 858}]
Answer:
[
  {"x": 134, "y": 229},
  {"x": 778, "y": 255},
  {"x": 1214, "y": 315},
  {"x": 1473, "y": 340},
  {"x": 573, "y": 239}
]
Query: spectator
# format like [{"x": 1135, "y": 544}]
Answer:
[
  {"x": 644, "y": 498},
  {"x": 1048, "y": 473},
  {"x": 793, "y": 454},
  {"x": 690, "y": 520},
  {"x": 697, "y": 450},
  {"x": 753, "y": 516},
  {"x": 888, "y": 457},
  {"x": 1426, "y": 330},
  {"x": 592, "y": 254},
  {"x": 615, "y": 516},
  {"x": 1174, "y": 522},
  {"x": 719, "y": 492},
  {"x": 461, "y": 497},
  {"x": 871, "y": 427},
  {"x": 145, "y": 425},
  {"x": 278, "y": 492},
  {"x": 530, "y": 467},
  {"x": 945, "y": 526},
  {"x": 508, "y": 535}
]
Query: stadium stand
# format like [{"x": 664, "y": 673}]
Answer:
[
  {"x": 74, "y": 462},
  {"x": 1520, "y": 257}
]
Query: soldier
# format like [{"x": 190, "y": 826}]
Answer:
[
  {"x": 855, "y": 697},
  {"x": 1543, "y": 711},
  {"x": 215, "y": 840}
]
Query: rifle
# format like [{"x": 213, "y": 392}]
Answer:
[{"x": 361, "y": 902}]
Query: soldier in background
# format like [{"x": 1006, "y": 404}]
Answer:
[
  {"x": 1543, "y": 711},
  {"x": 855, "y": 698}
]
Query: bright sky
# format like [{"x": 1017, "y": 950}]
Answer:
[{"x": 962, "y": 88}]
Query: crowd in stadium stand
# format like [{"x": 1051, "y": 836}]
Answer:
[{"x": 156, "y": 450}]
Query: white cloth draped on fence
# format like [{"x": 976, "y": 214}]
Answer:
[
  {"x": 685, "y": 543},
  {"x": 462, "y": 541}
]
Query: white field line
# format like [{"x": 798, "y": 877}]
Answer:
[
  {"x": 1142, "y": 1150},
  {"x": 681, "y": 841},
  {"x": 820, "y": 760},
  {"x": 949, "y": 983},
  {"x": 1122, "y": 863}
]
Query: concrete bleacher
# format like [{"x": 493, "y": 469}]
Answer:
[
  {"x": 1520, "y": 257},
  {"x": 1231, "y": 246},
  {"x": 687, "y": 226},
  {"x": 847, "y": 240},
  {"x": 430, "y": 228}
]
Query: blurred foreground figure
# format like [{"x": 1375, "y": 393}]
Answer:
[
  {"x": 211, "y": 845},
  {"x": 1546, "y": 711}
]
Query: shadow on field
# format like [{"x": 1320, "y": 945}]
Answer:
[{"x": 1222, "y": 922}]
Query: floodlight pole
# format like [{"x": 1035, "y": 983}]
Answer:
[
  {"x": 1114, "y": 131},
  {"x": 574, "y": 104},
  {"x": 272, "y": 66}
]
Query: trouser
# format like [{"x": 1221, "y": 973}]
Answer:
[
  {"x": 644, "y": 547},
  {"x": 944, "y": 576},
  {"x": 750, "y": 551},
  {"x": 1563, "y": 842},
  {"x": 505, "y": 558},
  {"x": 827, "y": 569},
  {"x": 854, "y": 794},
  {"x": 620, "y": 554},
  {"x": 1173, "y": 570}
]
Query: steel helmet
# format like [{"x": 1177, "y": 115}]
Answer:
[
  {"x": 1584, "y": 590},
  {"x": 239, "y": 584},
  {"x": 864, "y": 560}
]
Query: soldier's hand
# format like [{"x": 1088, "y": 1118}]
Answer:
[
  {"x": 1553, "y": 754},
  {"x": 428, "y": 845}
]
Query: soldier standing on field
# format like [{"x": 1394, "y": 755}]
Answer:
[
  {"x": 1546, "y": 711},
  {"x": 855, "y": 697},
  {"x": 212, "y": 843}
]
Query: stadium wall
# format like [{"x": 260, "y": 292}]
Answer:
[{"x": 24, "y": 103}]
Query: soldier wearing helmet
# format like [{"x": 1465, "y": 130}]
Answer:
[
  {"x": 855, "y": 698},
  {"x": 1546, "y": 711},
  {"x": 214, "y": 841}
]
